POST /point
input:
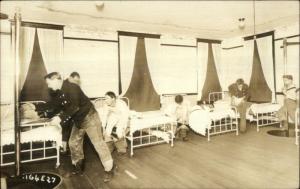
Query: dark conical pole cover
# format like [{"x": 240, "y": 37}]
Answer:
[
  {"x": 259, "y": 90},
  {"x": 212, "y": 83},
  {"x": 35, "y": 88},
  {"x": 141, "y": 92}
]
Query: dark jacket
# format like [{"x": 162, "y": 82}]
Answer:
[
  {"x": 74, "y": 104},
  {"x": 234, "y": 91}
]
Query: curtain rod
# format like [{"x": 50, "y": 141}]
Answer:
[
  {"x": 259, "y": 35},
  {"x": 40, "y": 25},
  {"x": 136, "y": 34}
]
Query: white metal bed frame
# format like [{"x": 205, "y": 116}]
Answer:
[
  {"x": 145, "y": 133},
  {"x": 297, "y": 126},
  {"x": 224, "y": 125},
  {"x": 265, "y": 119},
  {"x": 214, "y": 96},
  {"x": 261, "y": 119},
  {"x": 31, "y": 149}
]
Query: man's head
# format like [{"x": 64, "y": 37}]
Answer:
[
  {"x": 53, "y": 80},
  {"x": 240, "y": 83},
  {"x": 110, "y": 98},
  {"x": 178, "y": 99},
  {"x": 287, "y": 79},
  {"x": 75, "y": 78}
]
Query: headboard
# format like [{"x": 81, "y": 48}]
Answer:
[
  {"x": 98, "y": 102},
  {"x": 215, "y": 96}
]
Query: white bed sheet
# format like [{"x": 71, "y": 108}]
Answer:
[
  {"x": 200, "y": 120},
  {"x": 48, "y": 133},
  {"x": 264, "y": 108},
  {"x": 144, "y": 120}
]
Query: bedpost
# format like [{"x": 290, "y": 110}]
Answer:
[{"x": 17, "y": 19}]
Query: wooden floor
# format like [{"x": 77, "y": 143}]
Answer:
[{"x": 251, "y": 160}]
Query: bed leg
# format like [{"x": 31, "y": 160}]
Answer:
[
  {"x": 131, "y": 146},
  {"x": 172, "y": 135},
  {"x": 208, "y": 136},
  {"x": 57, "y": 157}
]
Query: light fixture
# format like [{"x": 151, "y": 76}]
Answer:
[
  {"x": 99, "y": 6},
  {"x": 241, "y": 23}
]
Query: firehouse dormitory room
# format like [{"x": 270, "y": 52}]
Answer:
[{"x": 149, "y": 94}]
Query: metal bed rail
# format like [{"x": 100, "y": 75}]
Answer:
[
  {"x": 146, "y": 136},
  {"x": 224, "y": 125}
]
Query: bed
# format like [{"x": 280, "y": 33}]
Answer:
[
  {"x": 145, "y": 128},
  {"x": 297, "y": 126},
  {"x": 149, "y": 128},
  {"x": 212, "y": 121},
  {"x": 263, "y": 114},
  {"x": 38, "y": 139}
]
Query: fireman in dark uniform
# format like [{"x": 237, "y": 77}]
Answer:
[{"x": 75, "y": 106}]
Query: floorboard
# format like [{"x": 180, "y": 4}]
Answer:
[{"x": 250, "y": 160}]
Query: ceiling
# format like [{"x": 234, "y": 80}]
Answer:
[{"x": 202, "y": 19}]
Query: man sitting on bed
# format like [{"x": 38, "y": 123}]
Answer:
[
  {"x": 239, "y": 96},
  {"x": 116, "y": 122},
  {"x": 290, "y": 101},
  {"x": 180, "y": 110}
]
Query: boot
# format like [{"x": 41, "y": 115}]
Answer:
[
  {"x": 183, "y": 133},
  {"x": 78, "y": 168},
  {"x": 109, "y": 174}
]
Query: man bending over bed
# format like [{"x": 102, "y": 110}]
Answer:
[
  {"x": 116, "y": 121},
  {"x": 75, "y": 105},
  {"x": 239, "y": 96},
  {"x": 180, "y": 110},
  {"x": 290, "y": 101}
]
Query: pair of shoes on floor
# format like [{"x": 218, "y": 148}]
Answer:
[
  {"x": 109, "y": 174},
  {"x": 78, "y": 168}
]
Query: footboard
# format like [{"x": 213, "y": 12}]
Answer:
[
  {"x": 224, "y": 125},
  {"x": 265, "y": 119},
  {"x": 154, "y": 134}
]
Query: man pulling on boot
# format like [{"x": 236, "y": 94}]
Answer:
[{"x": 180, "y": 110}]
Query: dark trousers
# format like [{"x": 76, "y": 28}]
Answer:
[
  {"x": 242, "y": 109},
  {"x": 66, "y": 132},
  {"x": 287, "y": 110}
]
